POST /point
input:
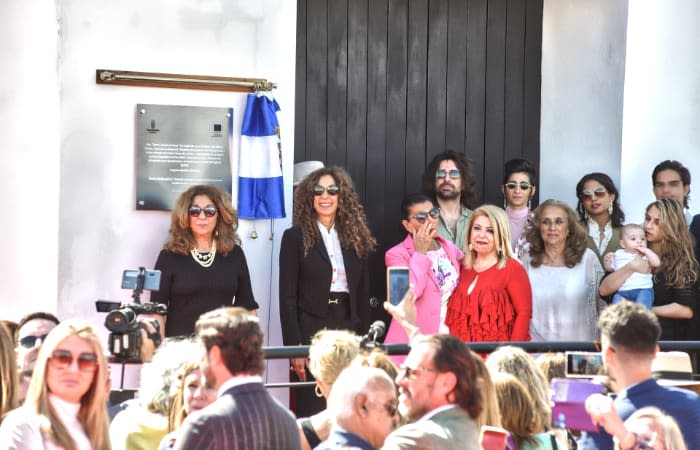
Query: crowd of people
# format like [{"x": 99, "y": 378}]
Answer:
[{"x": 477, "y": 274}]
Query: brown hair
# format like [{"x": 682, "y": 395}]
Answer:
[
  {"x": 350, "y": 220},
  {"x": 180, "y": 239},
  {"x": 575, "y": 241},
  {"x": 518, "y": 409},
  {"x": 9, "y": 383},
  {"x": 676, "y": 246}
]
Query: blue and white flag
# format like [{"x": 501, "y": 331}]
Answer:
[{"x": 260, "y": 187}]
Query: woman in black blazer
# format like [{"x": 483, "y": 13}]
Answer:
[{"x": 324, "y": 277}]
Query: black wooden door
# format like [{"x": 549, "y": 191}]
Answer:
[{"x": 384, "y": 85}]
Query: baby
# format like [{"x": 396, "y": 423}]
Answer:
[{"x": 638, "y": 287}]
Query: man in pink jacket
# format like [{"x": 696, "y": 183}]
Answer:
[{"x": 434, "y": 266}]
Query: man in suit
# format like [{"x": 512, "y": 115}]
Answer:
[
  {"x": 362, "y": 407},
  {"x": 629, "y": 339},
  {"x": 245, "y": 415},
  {"x": 439, "y": 396}
]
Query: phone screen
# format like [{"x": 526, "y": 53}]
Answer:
[
  {"x": 397, "y": 283},
  {"x": 583, "y": 364}
]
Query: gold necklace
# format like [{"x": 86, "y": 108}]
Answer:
[{"x": 202, "y": 258}]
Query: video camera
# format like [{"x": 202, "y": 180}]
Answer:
[{"x": 125, "y": 330}]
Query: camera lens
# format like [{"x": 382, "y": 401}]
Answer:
[{"x": 120, "y": 320}]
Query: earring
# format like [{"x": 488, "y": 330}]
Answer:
[
  {"x": 500, "y": 252},
  {"x": 610, "y": 209},
  {"x": 505, "y": 203},
  {"x": 529, "y": 203},
  {"x": 317, "y": 389}
]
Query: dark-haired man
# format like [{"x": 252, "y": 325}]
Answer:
[
  {"x": 245, "y": 415},
  {"x": 449, "y": 181},
  {"x": 439, "y": 396},
  {"x": 30, "y": 334},
  {"x": 629, "y": 339}
]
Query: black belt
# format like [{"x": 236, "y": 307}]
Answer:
[{"x": 337, "y": 298}]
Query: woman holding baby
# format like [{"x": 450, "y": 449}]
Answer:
[{"x": 676, "y": 287}]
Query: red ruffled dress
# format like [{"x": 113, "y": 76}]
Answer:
[{"x": 499, "y": 307}]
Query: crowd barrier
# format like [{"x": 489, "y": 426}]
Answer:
[{"x": 478, "y": 347}]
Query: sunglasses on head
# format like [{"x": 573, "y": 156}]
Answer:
[
  {"x": 422, "y": 216},
  {"x": 524, "y": 185},
  {"x": 598, "y": 192},
  {"x": 442, "y": 173},
  {"x": 209, "y": 211},
  {"x": 30, "y": 341},
  {"x": 62, "y": 359},
  {"x": 319, "y": 190}
]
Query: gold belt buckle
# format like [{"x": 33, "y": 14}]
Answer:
[{"x": 333, "y": 300}]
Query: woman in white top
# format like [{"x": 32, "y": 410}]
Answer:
[
  {"x": 564, "y": 276},
  {"x": 65, "y": 406}
]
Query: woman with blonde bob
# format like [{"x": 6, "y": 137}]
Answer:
[
  {"x": 65, "y": 404},
  {"x": 493, "y": 299},
  {"x": 8, "y": 373}
]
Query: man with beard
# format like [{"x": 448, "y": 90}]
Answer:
[
  {"x": 245, "y": 415},
  {"x": 449, "y": 181},
  {"x": 438, "y": 394}
]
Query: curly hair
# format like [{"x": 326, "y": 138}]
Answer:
[
  {"x": 518, "y": 165},
  {"x": 350, "y": 219},
  {"x": 501, "y": 234},
  {"x": 676, "y": 247},
  {"x": 617, "y": 217},
  {"x": 92, "y": 413},
  {"x": 468, "y": 194},
  {"x": 180, "y": 239},
  {"x": 575, "y": 241}
]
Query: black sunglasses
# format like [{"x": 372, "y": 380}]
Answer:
[
  {"x": 209, "y": 211},
  {"x": 524, "y": 185},
  {"x": 422, "y": 216},
  {"x": 30, "y": 341},
  {"x": 62, "y": 359},
  {"x": 442, "y": 173},
  {"x": 599, "y": 192},
  {"x": 319, "y": 190}
]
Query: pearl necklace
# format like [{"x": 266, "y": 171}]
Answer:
[{"x": 204, "y": 259}]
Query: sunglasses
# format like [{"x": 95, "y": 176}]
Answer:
[
  {"x": 442, "y": 173},
  {"x": 62, "y": 359},
  {"x": 209, "y": 211},
  {"x": 599, "y": 192},
  {"x": 524, "y": 185},
  {"x": 331, "y": 189},
  {"x": 422, "y": 216},
  {"x": 410, "y": 373},
  {"x": 30, "y": 341}
]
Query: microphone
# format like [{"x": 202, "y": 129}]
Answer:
[
  {"x": 376, "y": 330},
  {"x": 373, "y": 302}
]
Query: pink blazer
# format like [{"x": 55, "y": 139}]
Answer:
[{"x": 425, "y": 285}]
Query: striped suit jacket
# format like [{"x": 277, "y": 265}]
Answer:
[{"x": 245, "y": 417}]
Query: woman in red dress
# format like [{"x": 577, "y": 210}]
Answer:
[{"x": 493, "y": 299}]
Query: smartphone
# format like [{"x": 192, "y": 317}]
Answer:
[
  {"x": 151, "y": 279},
  {"x": 494, "y": 438},
  {"x": 397, "y": 282},
  {"x": 583, "y": 364},
  {"x": 569, "y": 398}
]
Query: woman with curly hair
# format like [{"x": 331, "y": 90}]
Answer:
[
  {"x": 65, "y": 406},
  {"x": 203, "y": 266},
  {"x": 600, "y": 213},
  {"x": 564, "y": 275},
  {"x": 324, "y": 276},
  {"x": 676, "y": 287}
]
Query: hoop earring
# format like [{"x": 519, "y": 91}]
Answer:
[{"x": 318, "y": 392}]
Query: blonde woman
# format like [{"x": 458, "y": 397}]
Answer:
[
  {"x": 8, "y": 373},
  {"x": 493, "y": 299},
  {"x": 330, "y": 352},
  {"x": 65, "y": 404}
]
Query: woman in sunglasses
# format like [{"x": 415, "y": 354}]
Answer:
[
  {"x": 600, "y": 213},
  {"x": 65, "y": 406},
  {"x": 324, "y": 276},
  {"x": 433, "y": 267},
  {"x": 202, "y": 264},
  {"x": 518, "y": 190}
]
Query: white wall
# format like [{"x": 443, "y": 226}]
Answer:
[
  {"x": 70, "y": 141},
  {"x": 583, "y": 68},
  {"x": 662, "y": 97}
]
